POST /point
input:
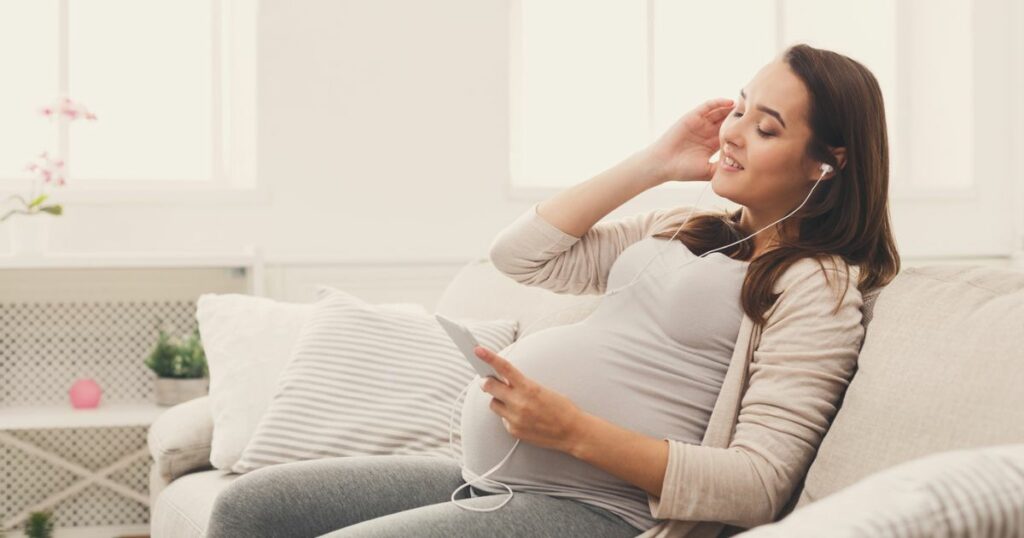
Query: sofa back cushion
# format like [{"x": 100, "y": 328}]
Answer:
[
  {"x": 941, "y": 368},
  {"x": 480, "y": 291}
]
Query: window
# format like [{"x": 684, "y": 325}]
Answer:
[
  {"x": 589, "y": 90},
  {"x": 593, "y": 82},
  {"x": 172, "y": 85}
]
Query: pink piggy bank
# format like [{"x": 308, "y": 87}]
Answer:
[{"x": 85, "y": 394}]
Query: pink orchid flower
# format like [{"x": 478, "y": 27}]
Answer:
[
  {"x": 48, "y": 169},
  {"x": 64, "y": 107}
]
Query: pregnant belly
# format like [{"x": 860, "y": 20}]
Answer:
[{"x": 588, "y": 371}]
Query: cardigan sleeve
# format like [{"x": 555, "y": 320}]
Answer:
[
  {"x": 804, "y": 361},
  {"x": 534, "y": 252}
]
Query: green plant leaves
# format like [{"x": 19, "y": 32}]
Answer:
[
  {"x": 37, "y": 201},
  {"x": 39, "y": 525},
  {"x": 178, "y": 358}
]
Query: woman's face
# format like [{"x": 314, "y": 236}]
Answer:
[{"x": 767, "y": 133}]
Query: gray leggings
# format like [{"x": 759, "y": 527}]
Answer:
[{"x": 393, "y": 495}]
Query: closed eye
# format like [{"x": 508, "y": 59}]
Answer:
[{"x": 762, "y": 134}]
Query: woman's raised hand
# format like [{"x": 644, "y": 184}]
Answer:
[{"x": 682, "y": 152}]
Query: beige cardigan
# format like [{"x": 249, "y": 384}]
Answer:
[{"x": 780, "y": 392}]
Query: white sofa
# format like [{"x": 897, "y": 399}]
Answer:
[{"x": 941, "y": 369}]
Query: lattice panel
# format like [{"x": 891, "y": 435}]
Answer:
[
  {"x": 92, "y": 448},
  {"x": 59, "y": 325},
  {"x": 45, "y": 347},
  {"x": 27, "y": 479}
]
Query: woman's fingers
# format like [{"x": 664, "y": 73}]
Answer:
[
  {"x": 495, "y": 388},
  {"x": 718, "y": 114},
  {"x": 713, "y": 104},
  {"x": 502, "y": 366}
]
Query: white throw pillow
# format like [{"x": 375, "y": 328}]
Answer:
[
  {"x": 365, "y": 380},
  {"x": 248, "y": 340},
  {"x": 968, "y": 492}
]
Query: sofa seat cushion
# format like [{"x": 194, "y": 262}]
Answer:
[{"x": 182, "y": 510}]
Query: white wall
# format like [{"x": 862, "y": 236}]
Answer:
[
  {"x": 383, "y": 136},
  {"x": 382, "y": 131}
]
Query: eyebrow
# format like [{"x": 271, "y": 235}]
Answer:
[{"x": 766, "y": 110}]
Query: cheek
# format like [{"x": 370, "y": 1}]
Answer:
[
  {"x": 765, "y": 157},
  {"x": 778, "y": 163}
]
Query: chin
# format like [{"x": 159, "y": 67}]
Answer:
[
  {"x": 726, "y": 187},
  {"x": 719, "y": 185}
]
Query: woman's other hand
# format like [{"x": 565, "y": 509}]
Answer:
[
  {"x": 530, "y": 411},
  {"x": 682, "y": 152}
]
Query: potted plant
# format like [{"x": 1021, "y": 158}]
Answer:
[
  {"x": 39, "y": 525},
  {"x": 29, "y": 222},
  {"x": 30, "y": 214},
  {"x": 180, "y": 366}
]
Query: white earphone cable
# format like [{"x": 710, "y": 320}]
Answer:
[{"x": 825, "y": 168}]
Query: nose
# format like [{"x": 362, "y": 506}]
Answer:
[{"x": 731, "y": 133}]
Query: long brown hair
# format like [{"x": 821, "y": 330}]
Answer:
[{"x": 848, "y": 215}]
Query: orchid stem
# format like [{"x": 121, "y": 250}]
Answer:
[
  {"x": 17, "y": 197},
  {"x": 13, "y": 212}
]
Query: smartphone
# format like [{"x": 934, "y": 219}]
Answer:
[{"x": 466, "y": 342}]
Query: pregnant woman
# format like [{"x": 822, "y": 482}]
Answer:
[{"x": 692, "y": 400}]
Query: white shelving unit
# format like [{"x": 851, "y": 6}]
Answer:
[
  {"x": 92, "y": 462},
  {"x": 52, "y": 417}
]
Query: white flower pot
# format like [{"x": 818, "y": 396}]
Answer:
[
  {"x": 29, "y": 233},
  {"x": 173, "y": 391}
]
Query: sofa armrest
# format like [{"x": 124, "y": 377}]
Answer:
[{"x": 179, "y": 439}]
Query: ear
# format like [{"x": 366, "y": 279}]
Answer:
[{"x": 840, "y": 156}]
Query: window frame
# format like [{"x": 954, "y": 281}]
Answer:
[
  {"x": 918, "y": 203},
  {"x": 233, "y": 127}
]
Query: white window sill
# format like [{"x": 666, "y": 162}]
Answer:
[{"x": 170, "y": 194}]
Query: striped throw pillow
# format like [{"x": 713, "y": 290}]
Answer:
[
  {"x": 367, "y": 379},
  {"x": 965, "y": 492}
]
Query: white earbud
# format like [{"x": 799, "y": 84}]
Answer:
[{"x": 826, "y": 168}]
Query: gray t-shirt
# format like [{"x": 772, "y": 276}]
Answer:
[{"x": 650, "y": 358}]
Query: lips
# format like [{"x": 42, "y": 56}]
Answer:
[{"x": 731, "y": 162}]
